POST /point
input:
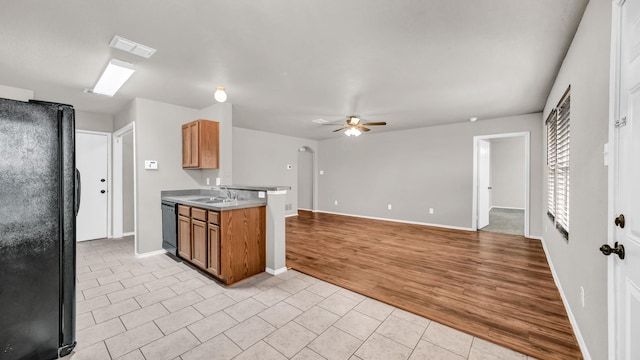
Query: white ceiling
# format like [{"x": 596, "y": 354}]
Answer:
[{"x": 412, "y": 63}]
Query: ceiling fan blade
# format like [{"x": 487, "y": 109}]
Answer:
[
  {"x": 375, "y": 123},
  {"x": 342, "y": 128},
  {"x": 363, "y": 128}
]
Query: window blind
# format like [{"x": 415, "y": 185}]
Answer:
[
  {"x": 551, "y": 165},
  {"x": 558, "y": 145},
  {"x": 562, "y": 166}
]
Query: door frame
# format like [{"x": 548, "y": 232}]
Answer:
[
  {"x": 118, "y": 184},
  {"x": 481, "y": 174},
  {"x": 612, "y": 158},
  {"x": 109, "y": 176},
  {"x": 527, "y": 179}
]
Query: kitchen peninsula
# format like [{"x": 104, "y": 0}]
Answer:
[{"x": 232, "y": 232}]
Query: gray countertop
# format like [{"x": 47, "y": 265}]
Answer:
[
  {"x": 195, "y": 200},
  {"x": 255, "y": 187},
  {"x": 221, "y": 198}
]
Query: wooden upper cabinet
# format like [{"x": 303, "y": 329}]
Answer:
[{"x": 201, "y": 145}]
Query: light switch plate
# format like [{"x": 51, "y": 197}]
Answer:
[{"x": 151, "y": 165}]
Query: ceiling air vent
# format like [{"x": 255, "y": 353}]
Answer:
[{"x": 132, "y": 47}]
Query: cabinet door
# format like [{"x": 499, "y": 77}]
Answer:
[
  {"x": 213, "y": 264},
  {"x": 190, "y": 145},
  {"x": 184, "y": 237},
  {"x": 199, "y": 243}
]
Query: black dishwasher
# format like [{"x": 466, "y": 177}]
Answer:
[{"x": 169, "y": 226}]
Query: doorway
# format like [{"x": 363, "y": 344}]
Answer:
[
  {"x": 501, "y": 183},
  {"x": 92, "y": 160},
  {"x": 124, "y": 182},
  {"x": 305, "y": 179}
]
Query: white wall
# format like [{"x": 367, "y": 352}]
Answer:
[
  {"x": 508, "y": 172},
  {"x": 578, "y": 262},
  {"x": 261, "y": 158},
  {"x": 414, "y": 170},
  {"x": 158, "y": 136},
  {"x": 94, "y": 121},
  {"x": 222, "y": 113}
]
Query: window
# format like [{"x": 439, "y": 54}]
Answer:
[{"x": 558, "y": 143}]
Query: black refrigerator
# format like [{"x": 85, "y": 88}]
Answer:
[{"x": 39, "y": 199}]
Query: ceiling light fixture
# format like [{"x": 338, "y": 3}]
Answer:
[
  {"x": 113, "y": 77},
  {"x": 472, "y": 119},
  {"x": 220, "y": 95}
]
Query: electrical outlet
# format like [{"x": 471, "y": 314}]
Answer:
[
  {"x": 389, "y": 206},
  {"x": 431, "y": 211},
  {"x": 335, "y": 202},
  {"x": 321, "y": 172},
  {"x": 217, "y": 181},
  {"x": 207, "y": 181},
  {"x": 582, "y": 295}
]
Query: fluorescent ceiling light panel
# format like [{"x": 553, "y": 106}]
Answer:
[
  {"x": 113, "y": 77},
  {"x": 132, "y": 47}
]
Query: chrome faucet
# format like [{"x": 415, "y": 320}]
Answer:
[{"x": 231, "y": 195}]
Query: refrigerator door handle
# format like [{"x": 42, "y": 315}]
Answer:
[{"x": 78, "y": 191}]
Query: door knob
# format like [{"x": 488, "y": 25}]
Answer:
[
  {"x": 102, "y": 191},
  {"x": 619, "y": 250},
  {"x": 620, "y": 221}
]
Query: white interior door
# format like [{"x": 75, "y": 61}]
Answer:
[
  {"x": 484, "y": 182},
  {"x": 626, "y": 172},
  {"x": 92, "y": 151}
]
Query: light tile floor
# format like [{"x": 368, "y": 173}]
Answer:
[{"x": 155, "y": 308}]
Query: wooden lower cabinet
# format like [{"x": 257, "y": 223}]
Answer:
[
  {"x": 230, "y": 245},
  {"x": 184, "y": 237},
  {"x": 242, "y": 243},
  {"x": 199, "y": 243},
  {"x": 213, "y": 262}
]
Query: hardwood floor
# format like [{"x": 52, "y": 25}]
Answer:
[{"x": 493, "y": 286}]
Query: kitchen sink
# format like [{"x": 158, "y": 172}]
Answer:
[{"x": 211, "y": 200}]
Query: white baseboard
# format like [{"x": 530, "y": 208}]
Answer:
[
  {"x": 150, "y": 253},
  {"x": 534, "y": 237},
  {"x": 290, "y": 215},
  {"x": 276, "y": 272},
  {"x": 572, "y": 319},
  {"x": 399, "y": 221},
  {"x": 305, "y": 209},
  {"x": 128, "y": 234}
]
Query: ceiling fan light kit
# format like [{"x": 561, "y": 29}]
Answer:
[{"x": 353, "y": 131}]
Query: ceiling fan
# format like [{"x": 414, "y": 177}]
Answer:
[{"x": 355, "y": 127}]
